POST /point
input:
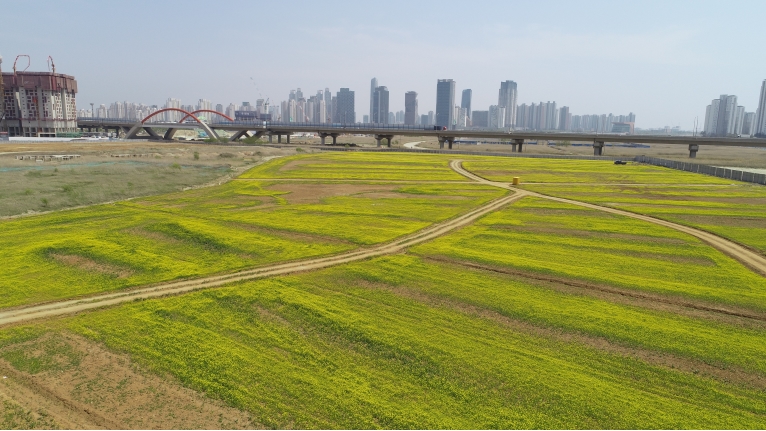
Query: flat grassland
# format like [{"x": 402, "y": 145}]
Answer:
[
  {"x": 209, "y": 230},
  {"x": 539, "y": 315}
]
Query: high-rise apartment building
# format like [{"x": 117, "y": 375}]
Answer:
[
  {"x": 373, "y": 86},
  {"x": 748, "y": 124},
  {"x": 465, "y": 102},
  {"x": 380, "y": 105},
  {"x": 38, "y": 104},
  {"x": 445, "y": 102},
  {"x": 496, "y": 117},
  {"x": 565, "y": 119},
  {"x": 410, "y": 108},
  {"x": 344, "y": 112},
  {"x": 328, "y": 105},
  {"x": 760, "y": 112},
  {"x": 507, "y": 99},
  {"x": 721, "y": 116}
]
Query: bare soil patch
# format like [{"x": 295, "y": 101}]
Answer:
[
  {"x": 730, "y": 221},
  {"x": 91, "y": 265},
  {"x": 107, "y": 390},
  {"x": 314, "y": 193}
]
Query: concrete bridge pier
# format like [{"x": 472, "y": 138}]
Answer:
[
  {"x": 441, "y": 142},
  {"x": 450, "y": 141},
  {"x": 321, "y": 137},
  {"x": 334, "y": 137},
  {"x": 288, "y": 138},
  {"x": 598, "y": 148},
  {"x": 517, "y": 145},
  {"x": 270, "y": 137},
  {"x": 279, "y": 138},
  {"x": 693, "y": 148},
  {"x": 239, "y": 134},
  {"x": 378, "y": 138}
]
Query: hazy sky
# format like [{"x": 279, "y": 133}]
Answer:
[{"x": 662, "y": 60}]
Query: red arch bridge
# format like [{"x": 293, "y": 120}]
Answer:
[{"x": 161, "y": 129}]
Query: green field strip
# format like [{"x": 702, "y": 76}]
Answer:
[
  {"x": 333, "y": 349},
  {"x": 205, "y": 231},
  {"x": 580, "y": 171},
  {"x": 737, "y": 212},
  {"x": 573, "y": 242}
]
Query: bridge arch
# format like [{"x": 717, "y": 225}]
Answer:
[
  {"x": 188, "y": 114},
  {"x": 169, "y": 135},
  {"x": 206, "y": 110}
]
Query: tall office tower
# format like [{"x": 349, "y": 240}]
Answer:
[
  {"x": 218, "y": 108},
  {"x": 564, "y": 118},
  {"x": 391, "y": 118},
  {"x": 424, "y": 120},
  {"x": 292, "y": 95},
  {"x": 322, "y": 112},
  {"x": 274, "y": 113},
  {"x": 748, "y": 124},
  {"x": 431, "y": 118},
  {"x": 327, "y": 105},
  {"x": 292, "y": 111},
  {"x": 298, "y": 94},
  {"x": 410, "y": 108},
  {"x": 507, "y": 98},
  {"x": 522, "y": 116},
  {"x": 365, "y": 119},
  {"x": 344, "y": 113},
  {"x": 465, "y": 102},
  {"x": 380, "y": 105},
  {"x": 310, "y": 108},
  {"x": 399, "y": 117},
  {"x": 480, "y": 119},
  {"x": 445, "y": 101},
  {"x": 373, "y": 86},
  {"x": 760, "y": 113}
]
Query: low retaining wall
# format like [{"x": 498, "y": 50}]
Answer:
[{"x": 729, "y": 174}]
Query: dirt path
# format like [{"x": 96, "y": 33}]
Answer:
[
  {"x": 751, "y": 259},
  {"x": 108, "y": 299}
]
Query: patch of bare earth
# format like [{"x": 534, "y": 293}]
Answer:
[
  {"x": 546, "y": 230},
  {"x": 657, "y": 358},
  {"x": 314, "y": 193},
  {"x": 91, "y": 265},
  {"x": 729, "y": 221},
  {"x": 107, "y": 390}
]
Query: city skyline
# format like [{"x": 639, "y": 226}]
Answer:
[{"x": 654, "y": 60}]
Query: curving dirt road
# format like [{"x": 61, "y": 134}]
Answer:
[
  {"x": 107, "y": 299},
  {"x": 751, "y": 259}
]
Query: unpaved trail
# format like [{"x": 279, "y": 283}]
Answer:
[
  {"x": 749, "y": 258},
  {"x": 53, "y": 309}
]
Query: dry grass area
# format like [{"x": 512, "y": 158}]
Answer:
[
  {"x": 61, "y": 380},
  {"x": 98, "y": 176}
]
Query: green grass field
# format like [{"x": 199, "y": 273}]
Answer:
[
  {"x": 580, "y": 171},
  {"x": 737, "y": 212},
  {"x": 198, "y": 232},
  {"x": 572, "y": 242},
  {"x": 401, "y": 343},
  {"x": 538, "y": 315},
  {"x": 360, "y": 166}
]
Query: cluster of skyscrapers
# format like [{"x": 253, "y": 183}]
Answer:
[{"x": 724, "y": 117}]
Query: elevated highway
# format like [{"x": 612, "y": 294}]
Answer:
[{"x": 240, "y": 129}]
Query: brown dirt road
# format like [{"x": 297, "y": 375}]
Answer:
[
  {"x": 25, "y": 314},
  {"x": 753, "y": 260}
]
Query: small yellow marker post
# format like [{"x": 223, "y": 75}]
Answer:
[{"x": 516, "y": 181}]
